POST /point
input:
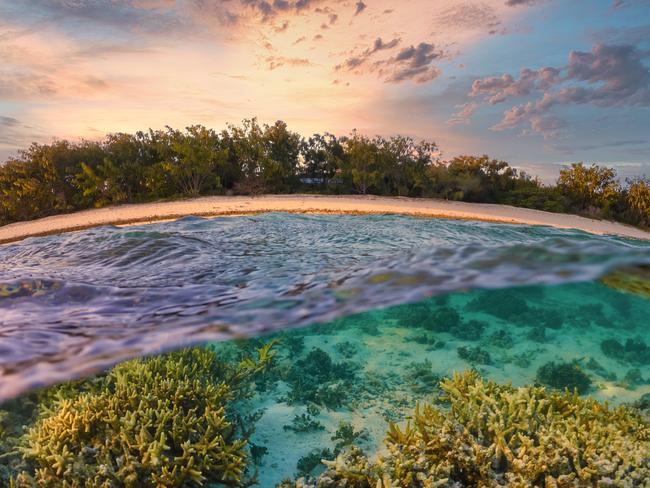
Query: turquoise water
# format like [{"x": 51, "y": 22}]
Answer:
[{"x": 366, "y": 314}]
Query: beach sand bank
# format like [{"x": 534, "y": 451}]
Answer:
[{"x": 222, "y": 205}]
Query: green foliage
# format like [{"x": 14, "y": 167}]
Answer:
[
  {"x": 162, "y": 421},
  {"x": 252, "y": 159},
  {"x": 638, "y": 200},
  {"x": 589, "y": 187}
]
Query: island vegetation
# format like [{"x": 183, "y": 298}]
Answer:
[{"x": 252, "y": 158}]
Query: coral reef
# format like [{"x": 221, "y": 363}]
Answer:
[
  {"x": 421, "y": 378},
  {"x": 346, "y": 436},
  {"x": 564, "y": 376},
  {"x": 634, "y": 351},
  {"x": 162, "y": 421},
  {"x": 304, "y": 423},
  {"x": 470, "y": 330},
  {"x": 504, "y": 304},
  {"x": 497, "y": 435},
  {"x": 501, "y": 338},
  {"x": 308, "y": 463},
  {"x": 317, "y": 379},
  {"x": 474, "y": 355}
]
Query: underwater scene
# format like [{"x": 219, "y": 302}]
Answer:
[{"x": 325, "y": 351}]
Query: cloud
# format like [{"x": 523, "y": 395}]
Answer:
[
  {"x": 8, "y": 121},
  {"x": 359, "y": 7},
  {"x": 411, "y": 63},
  {"x": 356, "y": 61},
  {"x": 607, "y": 76},
  {"x": 517, "y": 3},
  {"x": 414, "y": 63},
  {"x": 464, "y": 114},
  {"x": 275, "y": 62},
  {"x": 468, "y": 15},
  {"x": 498, "y": 89},
  {"x": 547, "y": 127}
]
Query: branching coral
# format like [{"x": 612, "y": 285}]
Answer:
[
  {"x": 496, "y": 435},
  {"x": 161, "y": 421}
]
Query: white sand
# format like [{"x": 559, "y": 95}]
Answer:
[{"x": 215, "y": 206}]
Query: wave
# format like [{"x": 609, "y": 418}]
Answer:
[{"x": 73, "y": 304}]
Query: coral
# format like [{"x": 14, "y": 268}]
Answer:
[
  {"x": 497, "y": 435},
  {"x": 346, "y": 349},
  {"x": 346, "y": 436},
  {"x": 634, "y": 351},
  {"x": 162, "y": 421},
  {"x": 317, "y": 379},
  {"x": 501, "y": 338},
  {"x": 304, "y": 423},
  {"x": 444, "y": 319},
  {"x": 537, "y": 334},
  {"x": 474, "y": 355},
  {"x": 420, "y": 377},
  {"x": 504, "y": 304},
  {"x": 469, "y": 331},
  {"x": 564, "y": 375},
  {"x": 428, "y": 315},
  {"x": 350, "y": 469},
  {"x": 635, "y": 280},
  {"x": 308, "y": 463},
  {"x": 293, "y": 342}
]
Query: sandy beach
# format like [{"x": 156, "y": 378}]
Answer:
[{"x": 222, "y": 205}]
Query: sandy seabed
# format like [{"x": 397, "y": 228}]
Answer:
[{"x": 223, "y": 205}]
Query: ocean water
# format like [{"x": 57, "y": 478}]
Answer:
[{"x": 365, "y": 315}]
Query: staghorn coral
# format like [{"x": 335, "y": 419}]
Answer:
[
  {"x": 496, "y": 435},
  {"x": 161, "y": 421}
]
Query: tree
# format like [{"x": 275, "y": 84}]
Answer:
[
  {"x": 638, "y": 199},
  {"x": 322, "y": 156},
  {"x": 279, "y": 167},
  {"x": 363, "y": 162},
  {"x": 193, "y": 158},
  {"x": 589, "y": 187}
]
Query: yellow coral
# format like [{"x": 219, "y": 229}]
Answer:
[
  {"x": 158, "y": 422},
  {"x": 497, "y": 435}
]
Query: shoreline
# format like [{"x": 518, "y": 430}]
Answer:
[{"x": 217, "y": 206}]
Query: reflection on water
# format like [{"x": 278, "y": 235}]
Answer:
[{"x": 331, "y": 402}]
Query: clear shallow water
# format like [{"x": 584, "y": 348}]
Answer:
[
  {"x": 503, "y": 300},
  {"x": 74, "y": 303}
]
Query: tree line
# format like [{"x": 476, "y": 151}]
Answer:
[{"x": 252, "y": 158}]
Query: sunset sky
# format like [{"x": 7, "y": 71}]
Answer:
[{"x": 535, "y": 82}]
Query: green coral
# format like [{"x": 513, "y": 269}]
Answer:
[
  {"x": 564, "y": 375},
  {"x": 161, "y": 421}
]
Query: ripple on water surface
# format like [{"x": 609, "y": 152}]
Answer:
[{"x": 73, "y": 303}]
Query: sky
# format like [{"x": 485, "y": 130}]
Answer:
[{"x": 538, "y": 83}]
